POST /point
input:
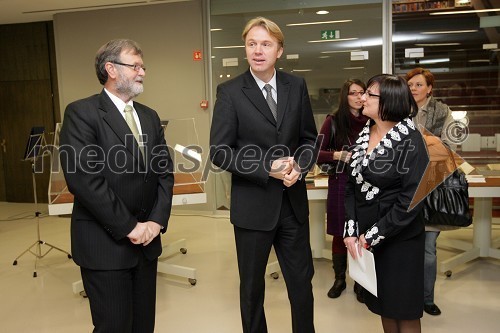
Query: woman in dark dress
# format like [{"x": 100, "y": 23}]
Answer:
[
  {"x": 385, "y": 169},
  {"x": 347, "y": 122}
]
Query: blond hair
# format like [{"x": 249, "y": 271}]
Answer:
[{"x": 271, "y": 27}]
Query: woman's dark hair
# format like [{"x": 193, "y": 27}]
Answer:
[
  {"x": 396, "y": 101},
  {"x": 342, "y": 115}
]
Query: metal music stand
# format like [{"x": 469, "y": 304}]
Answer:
[{"x": 34, "y": 149}]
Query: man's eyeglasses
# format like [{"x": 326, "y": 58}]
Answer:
[
  {"x": 136, "y": 68},
  {"x": 356, "y": 93},
  {"x": 369, "y": 94}
]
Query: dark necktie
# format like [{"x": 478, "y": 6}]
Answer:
[
  {"x": 270, "y": 101},
  {"x": 129, "y": 118}
]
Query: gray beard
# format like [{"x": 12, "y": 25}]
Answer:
[{"x": 127, "y": 88}]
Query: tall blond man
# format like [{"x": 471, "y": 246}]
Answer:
[{"x": 263, "y": 133}]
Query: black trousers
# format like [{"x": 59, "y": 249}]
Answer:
[
  {"x": 122, "y": 301},
  {"x": 291, "y": 243}
]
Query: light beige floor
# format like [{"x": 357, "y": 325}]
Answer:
[{"x": 470, "y": 299}]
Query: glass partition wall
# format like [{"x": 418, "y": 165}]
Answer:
[
  {"x": 324, "y": 43},
  {"x": 461, "y": 49},
  {"x": 457, "y": 41}
]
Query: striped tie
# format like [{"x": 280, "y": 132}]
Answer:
[{"x": 270, "y": 101}]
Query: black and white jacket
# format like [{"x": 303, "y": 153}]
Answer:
[{"x": 382, "y": 184}]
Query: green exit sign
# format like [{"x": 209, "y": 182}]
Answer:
[{"x": 330, "y": 34}]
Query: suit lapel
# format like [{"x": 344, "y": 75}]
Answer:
[
  {"x": 256, "y": 97},
  {"x": 115, "y": 121},
  {"x": 147, "y": 130},
  {"x": 283, "y": 86}
]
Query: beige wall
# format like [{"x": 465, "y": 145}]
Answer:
[{"x": 168, "y": 34}]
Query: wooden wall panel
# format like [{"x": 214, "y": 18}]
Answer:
[{"x": 26, "y": 100}]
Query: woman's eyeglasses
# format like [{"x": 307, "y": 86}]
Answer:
[
  {"x": 356, "y": 93},
  {"x": 369, "y": 94}
]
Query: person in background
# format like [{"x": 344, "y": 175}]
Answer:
[
  {"x": 435, "y": 117},
  {"x": 116, "y": 163},
  {"x": 385, "y": 170},
  {"x": 263, "y": 133},
  {"x": 340, "y": 131}
]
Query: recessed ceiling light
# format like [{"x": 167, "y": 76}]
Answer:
[
  {"x": 353, "y": 67},
  {"x": 340, "y": 51},
  {"x": 437, "y": 44},
  {"x": 216, "y": 29},
  {"x": 228, "y": 47},
  {"x": 301, "y": 70},
  {"x": 313, "y": 23},
  {"x": 322, "y": 12},
  {"x": 434, "y": 61},
  {"x": 324, "y": 57},
  {"x": 479, "y": 60},
  {"x": 467, "y": 11},
  {"x": 447, "y": 32}
]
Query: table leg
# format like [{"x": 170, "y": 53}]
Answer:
[
  {"x": 163, "y": 267},
  {"x": 482, "y": 225},
  {"x": 317, "y": 211},
  {"x": 167, "y": 268},
  {"x": 481, "y": 246}
]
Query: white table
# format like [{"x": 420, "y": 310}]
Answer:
[
  {"x": 163, "y": 267},
  {"x": 482, "y": 245}
]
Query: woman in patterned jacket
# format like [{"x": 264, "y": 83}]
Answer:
[{"x": 385, "y": 169}]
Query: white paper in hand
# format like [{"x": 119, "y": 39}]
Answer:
[{"x": 362, "y": 270}]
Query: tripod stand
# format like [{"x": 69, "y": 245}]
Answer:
[{"x": 33, "y": 149}]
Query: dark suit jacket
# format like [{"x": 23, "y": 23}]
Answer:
[
  {"x": 245, "y": 139},
  {"x": 112, "y": 186}
]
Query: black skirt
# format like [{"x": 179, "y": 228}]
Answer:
[{"x": 400, "y": 279}]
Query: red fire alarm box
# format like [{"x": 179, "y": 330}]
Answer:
[
  {"x": 204, "y": 104},
  {"x": 196, "y": 55}
]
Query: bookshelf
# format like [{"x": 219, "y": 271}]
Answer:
[{"x": 406, "y": 6}]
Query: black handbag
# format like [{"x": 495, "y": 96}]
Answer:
[{"x": 448, "y": 204}]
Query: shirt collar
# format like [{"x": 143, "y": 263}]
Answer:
[
  {"x": 118, "y": 102},
  {"x": 261, "y": 83}
]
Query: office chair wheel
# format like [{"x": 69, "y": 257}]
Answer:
[
  {"x": 275, "y": 275},
  {"x": 69, "y": 256},
  {"x": 447, "y": 273},
  {"x": 183, "y": 250},
  {"x": 192, "y": 281},
  {"x": 14, "y": 263},
  {"x": 83, "y": 294},
  {"x": 34, "y": 274}
]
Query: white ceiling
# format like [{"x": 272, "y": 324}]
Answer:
[{"x": 22, "y": 11}]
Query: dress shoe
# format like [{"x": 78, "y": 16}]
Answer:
[
  {"x": 432, "y": 309},
  {"x": 358, "y": 290},
  {"x": 338, "y": 286}
]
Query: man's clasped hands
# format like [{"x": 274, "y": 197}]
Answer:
[{"x": 285, "y": 169}]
